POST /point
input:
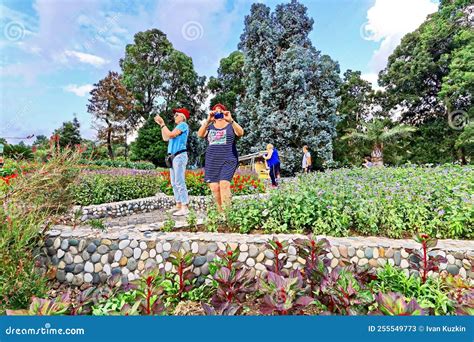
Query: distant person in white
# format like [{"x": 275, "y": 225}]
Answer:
[{"x": 306, "y": 159}]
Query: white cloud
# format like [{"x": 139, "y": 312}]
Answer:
[
  {"x": 86, "y": 58},
  {"x": 388, "y": 21},
  {"x": 81, "y": 91},
  {"x": 372, "y": 78}
]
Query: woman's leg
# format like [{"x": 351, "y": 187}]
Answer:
[
  {"x": 272, "y": 175},
  {"x": 217, "y": 194},
  {"x": 173, "y": 185},
  {"x": 179, "y": 164},
  {"x": 226, "y": 195}
]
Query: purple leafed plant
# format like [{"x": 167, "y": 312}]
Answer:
[
  {"x": 279, "y": 251},
  {"x": 227, "y": 309},
  {"x": 395, "y": 304},
  {"x": 283, "y": 296},
  {"x": 46, "y": 307},
  {"x": 183, "y": 262},
  {"x": 229, "y": 258},
  {"x": 421, "y": 260},
  {"x": 341, "y": 293},
  {"x": 314, "y": 252},
  {"x": 232, "y": 288}
]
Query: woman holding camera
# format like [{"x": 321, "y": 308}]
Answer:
[
  {"x": 221, "y": 153},
  {"x": 177, "y": 139}
]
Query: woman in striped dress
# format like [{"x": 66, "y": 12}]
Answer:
[{"x": 221, "y": 154}]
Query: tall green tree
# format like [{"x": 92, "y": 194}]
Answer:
[
  {"x": 41, "y": 141},
  {"x": 160, "y": 79},
  {"x": 228, "y": 85},
  {"x": 431, "y": 71},
  {"x": 69, "y": 133},
  {"x": 357, "y": 104},
  {"x": 291, "y": 89},
  {"x": 149, "y": 144}
]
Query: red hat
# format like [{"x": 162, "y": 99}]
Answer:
[
  {"x": 182, "y": 111},
  {"x": 219, "y": 105}
]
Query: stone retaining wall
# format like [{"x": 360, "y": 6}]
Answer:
[
  {"x": 141, "y": 205},
  {"x": 93, "y": 258}
]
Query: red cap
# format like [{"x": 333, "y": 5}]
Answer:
[
  {"x": 182, "y": 111},
  {"x": 219, "y": 105}
]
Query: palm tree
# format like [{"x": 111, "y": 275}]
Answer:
[{"x": 377, "y": 133}]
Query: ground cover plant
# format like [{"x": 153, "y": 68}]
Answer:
[{"x": 392, "y": 202}]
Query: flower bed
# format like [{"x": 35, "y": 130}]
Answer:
[
  {"x": 242, "y": 184},
  {"x": 393, "y": 202},
  {"x": 114, "y": 185}
]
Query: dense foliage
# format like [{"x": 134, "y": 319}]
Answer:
[
  {"x": 393, "y": 202},
  {"x": 290, "y": 87},
  {"x": 432, "y": 67}
]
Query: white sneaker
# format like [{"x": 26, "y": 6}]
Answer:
[{"x": 181, "y": 212}]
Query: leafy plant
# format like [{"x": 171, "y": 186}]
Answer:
[
  {"x": 461, "y": 293},
  {"x": 341, "y": 293},
  {"x": 46, "y": 307},
  {"x": 213, "y": 219},
  {"x": 149, "y": 291},
  {"x": 97, "y": 224},
  {"x": 232, "y": 287},
  {"x": 314, "y": 253},
  {"x": 423, "y": 261},
  {"x": 395, "y": 304},
  {"x": 192, "y": 219},
  {"x": 433, "y": 295},
  {"x": 283, "y": 296},
  {"x": 169, "y": 224},
  {"x": 182, "y": 262},
  {"x": 279, "y": 251}
]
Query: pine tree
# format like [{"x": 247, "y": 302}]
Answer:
[
  {"x": 69, "y": 133},
  {"x": 291, "y": 89}
]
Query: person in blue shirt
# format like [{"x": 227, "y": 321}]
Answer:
[
  {"x": 177, "y": 139},
  {"x": 273, "y": 162}
]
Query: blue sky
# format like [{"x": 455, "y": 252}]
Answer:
[{"x": 53, "y": 51}]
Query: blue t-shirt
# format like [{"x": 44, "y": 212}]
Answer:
[
  {"x": 179, "y": 143},
  {"x": 274, "y": 159}
]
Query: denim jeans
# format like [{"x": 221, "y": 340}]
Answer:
[{"x": 178, "y": 179}]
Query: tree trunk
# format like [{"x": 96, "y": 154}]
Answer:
[
  {"x": 109, "y": 140},
  {"x": 377, "y": 155},
  {"x": 125, "y": 142}
]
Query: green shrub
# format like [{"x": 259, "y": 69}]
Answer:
[
  {"x": 98, "y": 189},
  {"x": 432, "y": 295}
]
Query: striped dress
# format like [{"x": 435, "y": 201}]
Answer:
[{"x": 221, "y": 154}]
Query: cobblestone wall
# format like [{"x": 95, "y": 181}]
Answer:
[
  {"x": 79, "y": 259},
  {"x": 142, "y": 205}
]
